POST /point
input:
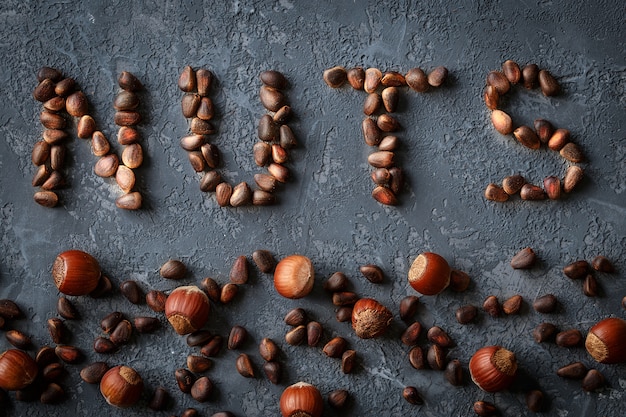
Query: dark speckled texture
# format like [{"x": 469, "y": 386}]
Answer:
[{"x": 449, "y": 153}]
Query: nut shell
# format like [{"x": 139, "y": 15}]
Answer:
[
  {"x": 121, "y": 386},
  {"x": 17, "y": 370},
  {"x": 493, "y": 368},
  {"x": 75, "y": 272},
  {"x": 606, "y": 341},
  {"x": 300, "y": 400},
  {"x": 187, "y": 309},
  {"x": 294, "y": 276},
  {"x": 429, "y": 274},
  {"x": 370, "y": 319}
]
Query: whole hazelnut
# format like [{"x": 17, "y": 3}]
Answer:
[
  {"x": 370, "y": 318},
  {"x": 493, "y": 368},
  {"x": 17, "y": 370},
  {"x": 187, "y": 309},
  {"x": 429, "y": 274},
  {"x": 301, "y": 400},
  {"x": 75, "y": 272},
  {"x": 294, "y": 276},
  {"x": 121, "y": 386},
  {"x": 606, "y": 340}
]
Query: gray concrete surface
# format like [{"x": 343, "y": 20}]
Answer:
[{"x": 449, "y": 154}]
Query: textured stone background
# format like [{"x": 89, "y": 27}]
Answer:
[{"x": 450, "y": 153}]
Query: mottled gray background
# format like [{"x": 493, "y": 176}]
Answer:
[{"x": 449, "y": 152}]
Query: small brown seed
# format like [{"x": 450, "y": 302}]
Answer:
[
  {"x": 265, "y": 182},
  {"x": 241, "y": 196},
  {"x": 408, "y": 307},
  {"x": 66, "y": 309},
  {"x": 125, "y": 178},
  {"x": 132, "y": 155},
  {"x": 602, "y": 264},
  {"x": 282, "y": 116},
  {"x": 373, "y": 273},
  {"x": 438, "y": 76},
  {"x": 57, "y": 157},
  {"x": 384, "y": 195},
  {"x": 512, "y": 71},
  {"x": 287, "y": 137},
  {"x": 416, "y": 358},
  {"x": 267, "y": 130},
  {"x": 345, "y": 298},
  {"x": 103, "y": 345},
  {"x": 45, "y": 356},
  {"x": 192, "y": 412},
  {"x": 264, "y": 260},
  {"x": 569, "y": 338},
  {"x": 273, "y": 79},
  {"x": 198, "y": 364},
  {"x": 532, "y": 192},
  {"x": 314, "y": 333},
  {"x": 192, "y": 142},
  {"x": 485, "y": 409},
  {"x": 54, "y": 136},
  {"x": 279, "y": 154},
  {"x": 372, "y": 104},
  {"x": 454, "y": 373},
  {"x": 512, "y": 305},
  {"x": 535, "y": 401},
  {"x": 466, "y": 314},
  {"x": 280, "y": 172},
  {"x": 552, "y": 186},
  {"x": 199, "y": 337},
  {"x": 573, "y": 176},
  {"x": 184, "y": 379},
  {"x": 173, "y": 269},
  {"x": 411, "y": 334},
  {"x": 190, "y": 104},
  {"x": 211, "y": 288},
  {"x": 57, "y": 330},
  {"x": 524, "y": 259},
  {"x": 129, "y": 82},
  {"x": 338, "y": 398},
  {"x": 549, "y": 85},
  {"x": 527, "y": 137},
  {"x": 356, "y": 77},
  {"x": 590, "y": 286},
  {"x": 593, "y": 381},
  {"x": 545, "y": 304},
  {"x": 244, "y": 366},
  {"x": 213, "y": 347},
  {"x": 130, "y": 201},
  {"x": 46, "y": 198},
  {"x": 459, "y": 280},
  {"x": 272, "y": 371},
  {"x": 335, "y": 347},
  {"x": 491, "y": 97},
  {"x": 544, "y": 130},
  {"x": 268, "y": 349},
  {"x": 335, "y": 77},
  {"x": 439, "y": 337},
  {"x": 559, "y": 139},
  {"x": 391, "y": 97},
  {"x": 436, "y": 357},
  {"x": 93, "y": 373},
  {"x": 373, "y": 77},
  {"x": 204, "y": 79},
  {"x": 201, "y": 127},
  {"x": 122, "y": 333},
  {"x": 296, "y": 317},
  {"x": 47, "y": 72},
  {"x": 131, "y": 290},
  {"x": 237, "y": 337},
  {"x": 575, "y": 370},
  {"x": 110, "y": 321},
  {"x": 397, "y": 180},
  {"x": 159, "y": 400},
  {"x": 492, "y": 306},
  {"x": 42, "y": 174},
  {"x": 343, "y": 314},
  {"x": 40, "y": 153},
  {"x": 544, "y": 332},
  {"x": 125, "y": 100},
  {"x": 389, "y": 143},
  {"x": 239, "y": 270},
  {"x": 104, "y": 286},
  {"x": 530, "y": 73},
  {"x": 127, "y": 118},
  {"x": 155, "y": 299},
  {"x": 187, "y": 80},
  {"x": 417, "y": 80},
  {"x": 271, "y": 98},
  {"x": 494, "y": 192},
  {"x": 576, "y": 270},
  {"x": 146, "y": 324},
  {"x": 127, "y": 135},
  {"x": 54, "y": 181},
  {"x": 502, "y": 122},
  {"x": 412, "y": 396},
  {"x": 381, "y": 159},
  {"x": 52, "y": 394},
  {"x": 51, "y": 120},
  {"x": 348, "y": 361},
  {"x": 106, "y": 166},
  {"x": 296, "y": 336},
  {"x": 337, "y": 282},
  {"x": 100, "y": 145},
  {"x": 499, "y": 81},
  {"x": 572, "y": 153},
  {"x": 387, "y": 123},
  {"x": 44, "y": 90},
  {"x": 210, "y": 180},
  {"x": 18, "y": 339},
  {"x": 371, "y": 132},
  {"x": 68, "y": 354},
  {"x": 392, "y": 79},
  {"x": 229, "y": 291}
]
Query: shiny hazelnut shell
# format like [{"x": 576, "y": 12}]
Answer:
[
  {"x": 606, "y": 340},
  {"x": 429, "y": 274},
  {"x": 187, "y": 309},
  {"x": 75, "y": 272},
  {"x": 370, "y": 319},
  {"x": 294, "y": 276},
  {"x": 301, "y": 400},
  {"x": 17, "y": 370},
  {"x": 121, "y": 386},
  {"x": 493, "y": 368}
]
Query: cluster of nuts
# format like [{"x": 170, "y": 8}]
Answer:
[
  {"x": 582, "y": 269},
  {"x": 379, "y": 126},
  {"x": 60, "y": 94},
  {"x": 559, "y": 140}
]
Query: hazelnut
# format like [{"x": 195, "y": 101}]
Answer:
[
  {"x": 187, "y": 309},
  {"x": 17, "y": 370},
  {"x": 294, "y": 276},
  {"x": 370, "y": 318},
  {"x": 121, "y": 386},
  {"x": 301, "y": 400},
  {"x": 429, "y": 274},
  {"x": 606, "y": 340},
  {"x": 75, "y": 272},
  {"x": 493, "y": 368}
]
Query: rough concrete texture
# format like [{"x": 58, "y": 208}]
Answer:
[{"x": 449, "y": 153}]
